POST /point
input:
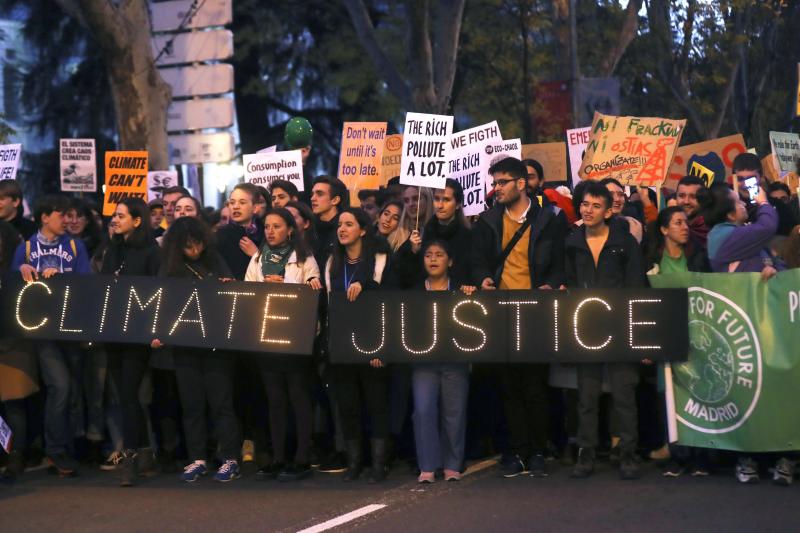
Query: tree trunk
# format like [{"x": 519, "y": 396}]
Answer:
[{"x": 140, "y": 96}]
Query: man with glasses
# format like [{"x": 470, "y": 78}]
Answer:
[{"x": 518, "y": 245}]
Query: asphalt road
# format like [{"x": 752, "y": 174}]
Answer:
[{"x": 482, "y": 501}]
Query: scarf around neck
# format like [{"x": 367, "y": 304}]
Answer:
[{"x": 273, "y": 260}]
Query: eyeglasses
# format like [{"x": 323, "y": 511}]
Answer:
[{"x": 500, "y": 183}]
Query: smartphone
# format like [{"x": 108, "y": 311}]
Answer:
[{"x": 752, "y": 187}]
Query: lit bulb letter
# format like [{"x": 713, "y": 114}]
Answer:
[
  {"x": 195, "y": 297},
  {"x": 268, "y": 316},
  {"x": 19, "y": 304},
  {"x": 64, "y": 314},
  {"x": 233, "y": 306},
  {"x": 132, "y": 295},
  {"x": 403, "y": 331},
  {"x": 518, "y": 305},
  {"x": 470, "y": 326},
  {"x": 383, "y": 335},
  {"x": 631, "y": 323},
  {"x": 575, "y": 324}
]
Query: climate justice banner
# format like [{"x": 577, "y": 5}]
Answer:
[
  {"x": 510, "y": 326},
  {"x": 738, "y": 389},
  {"x": 259, "y": 317}
]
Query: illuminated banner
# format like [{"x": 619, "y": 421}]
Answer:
[
  {"x": 511, "y": 326},
  {"x": 258, "y": 317}
]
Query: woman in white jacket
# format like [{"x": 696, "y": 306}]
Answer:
[{"x": 285, "y": 258}]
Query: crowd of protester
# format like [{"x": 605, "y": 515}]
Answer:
[{"x": 142, "y": 410}]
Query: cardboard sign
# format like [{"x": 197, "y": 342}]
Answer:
[
  {"x": 392, "y": 154},
  {"x": 158, "y": 180},
  {"x": 258, "y": 317},
  {"x": 263, "y": 169},
  {"x": 591, "y": 325},
  {"x": 552, "y": 157},
  {"x": 634, "y": 150},
  {"x": 268, "y": 149},
  {"x": 577, "y": 139},
  {"x": 493, "y": 153},
  {"x": 464, "y": 164},
  {"x": 710, "y": 160},
  {"x": 361, "y": 156},
  {"x": 786, "y": 147},
  {"x": 126, "y": 176},
  {"x": 9, "y": 160},
  {"x": 78, "y": 165},
  {"x": 425, "y": 150}
]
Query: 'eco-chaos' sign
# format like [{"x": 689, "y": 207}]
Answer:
[
  {"x": 258, "y": 317},
  {"x": 578, "y": 326}
]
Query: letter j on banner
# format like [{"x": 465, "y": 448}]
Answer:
[{"x": 425, "y": 150}]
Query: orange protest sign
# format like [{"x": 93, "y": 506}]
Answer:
[
  {"x": 705, "y": 160},
  {"x": 634, "y": 150},
  {"x": 552, "y": 157},
  {"x": 392, "y": 152},
  {"x": 126, "y": 176},
  {"x": 361, "y": 156}
]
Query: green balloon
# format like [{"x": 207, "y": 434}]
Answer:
[{"x": 298, "y": 133}]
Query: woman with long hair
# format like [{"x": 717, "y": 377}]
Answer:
[
  {"x": 418, "y": 207},
  {"x": 388, "y": 221},
  {"x": 204, "y": 377},
  {"x": 132, "y": 251},
  {"x": 304, "y": 219},
  {"x": 286, "y": 258},
  {"x": 359, "y": 262}
]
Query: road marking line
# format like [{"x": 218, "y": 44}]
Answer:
[{"x": 343, "y": 519}]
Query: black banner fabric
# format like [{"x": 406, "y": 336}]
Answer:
[
  {"x": 577, "y": 326},
  {"x": 273, "y": 318}
]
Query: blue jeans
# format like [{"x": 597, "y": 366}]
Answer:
[
  {"x": 59, "y": 364},
  {"x": 440, "y": 414}
]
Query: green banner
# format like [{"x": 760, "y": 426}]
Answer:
[{"x": 740, "y": 388}]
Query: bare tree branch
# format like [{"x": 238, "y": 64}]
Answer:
[
  {"x": 626, "y": 36},
  {"x": 420, "y": 55},
  {"x": 369, "y": 40},
  {"x": 448, "y": 28}
]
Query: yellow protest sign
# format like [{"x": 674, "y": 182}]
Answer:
[
  {"x": 361, "y": 156},
  {"x": 552, "y": 157},
  {"x": 126, "y": 176},
  {"x": 709, "y": 160},
  {"x": 392, "y": 152},
  {"x": 634, "y": 150}
]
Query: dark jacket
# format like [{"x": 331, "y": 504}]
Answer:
[
  {"x": 125, "y": 260},
  {"x": 410, "y": 267},
  {"x": 216, "y": 268},
  {"x": 326, "y": 238},
  {"x": 228, "y": 237},
  {"x": 24, "y": 226},
  {"x": 620, "y": 264},
  {"x": 545, "y": 250}
]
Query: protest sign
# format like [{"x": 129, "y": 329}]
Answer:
[
  {"x": 577, "y": 139},
  {"x": 392, "y": 153},
  {"x": 264, "y": 168},
  {"x": 425, "y": 150},
  {"x": 711, "y": 160},
  {"x": 78, "y": 165},
  {"x": 634, "y": 150},
  {"x": 464, "y": 164},
  {"x": 552, "y": 157},
  {"x": 259, "y": 317},
  {"x": 158, "y": 180},
  {"x": 268, "y": 149},
  {"x": 786, "y": 147},
  {"x": 361, "y": 156},
  {"x": 9, "y": 160},
  {"x": 575, "y": 326},
  {"x": 5, "y": 436},
  {"x": 494, "y": 152},
  {"x": 126, "y": 177},
  {"x": 743, "y": 367}
]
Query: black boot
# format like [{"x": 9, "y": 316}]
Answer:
[
  {"x": 127, "y": 468},
  {"x": 353, "y": 448},
  {"x": 378, "y": 472}
]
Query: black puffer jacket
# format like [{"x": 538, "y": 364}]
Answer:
[
  {"x": 620, "y": 264},
  {"x": 410, "y": 267}
]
